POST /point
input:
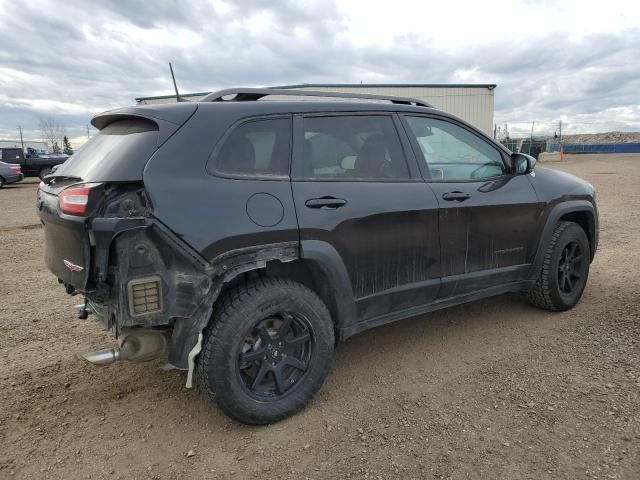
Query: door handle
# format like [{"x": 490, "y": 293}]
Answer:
[
  {"x": 457, "y": 196},
  {"x": 325, "y": 202}
]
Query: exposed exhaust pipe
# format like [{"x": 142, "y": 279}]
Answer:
[
  {"x": 136, "y": 345},
  {"x": 103, "y": 357}
]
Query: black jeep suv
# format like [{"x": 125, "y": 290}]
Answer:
[{"x": 245, "y": 235}]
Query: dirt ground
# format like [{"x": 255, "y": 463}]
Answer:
[{"x": 492, "y": 389}]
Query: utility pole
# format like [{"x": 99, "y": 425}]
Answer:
[
  {"x": 531, "y": 137},
  {"x": 21, "y": 140},
  {"x": 560, "y": 128},
  {"x": 532, "y": 125}
]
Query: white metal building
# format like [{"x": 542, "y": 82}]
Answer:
[{"x": 471, "y": 102}]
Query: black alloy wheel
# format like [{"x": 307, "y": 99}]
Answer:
[
  {"x": 267, "y": 349},
  {"x": 571, "y": 268},
  {"x": 275, "y": 355}
]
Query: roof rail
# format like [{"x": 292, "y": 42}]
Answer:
[{"x": 253, "y": 94}]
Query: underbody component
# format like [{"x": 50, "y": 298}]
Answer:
[
  {"x": 136, "y": 345},
  {"x": 145, "y": 296}
]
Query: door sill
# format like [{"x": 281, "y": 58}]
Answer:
[{"x": 436, "y": 305}]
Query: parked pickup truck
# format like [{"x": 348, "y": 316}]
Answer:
[{"x": 33, "y": 164}]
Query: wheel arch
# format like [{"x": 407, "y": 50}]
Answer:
[
  {"x": 320, "y": 268},
  {"x": 581, "y": 212},
  {"x": 315, "y": 264},
  {"x": 325, "y": 274},
  {"x": 586, "y": 220}
]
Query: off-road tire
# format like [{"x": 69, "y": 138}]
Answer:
[
  {"x": 234, "y": 315},
  {"x": 547, "y": 293}
]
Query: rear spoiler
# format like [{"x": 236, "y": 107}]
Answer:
[{"x": 168, "y": 117}]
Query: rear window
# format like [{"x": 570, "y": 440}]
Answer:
[
  {"x": 11, "y": 155},
  {"x": 119, "y": 152}
]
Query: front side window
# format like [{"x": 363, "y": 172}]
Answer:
[
  {"x": 454, "y": 153},
  {"x": 256, "y": 148},
  {"x": 351, "y": 147}
]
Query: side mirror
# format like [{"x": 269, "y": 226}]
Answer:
[{"x": 522, "y": 163}]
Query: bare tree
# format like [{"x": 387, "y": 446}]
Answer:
[{"x": 52, "y": 132}]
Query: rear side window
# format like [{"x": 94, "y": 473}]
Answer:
[
  {"x": 256, "y": 148},
  {"x": 118, "y": 152},
  {"x": 351, "y": 147}
]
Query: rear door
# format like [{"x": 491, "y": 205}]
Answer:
[
  {"x": 354, "y": 190},
  {"x": 488, "y": 216}
]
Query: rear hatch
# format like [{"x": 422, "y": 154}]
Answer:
[{"x": 74, "y": 193}]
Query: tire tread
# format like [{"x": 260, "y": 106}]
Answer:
[
  {"x": 226, "y": 310},
  {"x": 540, "y": 295}
]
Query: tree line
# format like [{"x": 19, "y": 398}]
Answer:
[{"x": 55, "y": 135}]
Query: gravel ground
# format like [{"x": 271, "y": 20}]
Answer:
[{"x": 493, "y": 389}]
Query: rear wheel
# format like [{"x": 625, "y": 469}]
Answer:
[
  {"x": 565, "y": 269},
  {"x": 267, "y": 351}
]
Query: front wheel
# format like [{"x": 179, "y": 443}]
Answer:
[
  {"x": 565, "y": 269},
  {"x": 267, "y": 351}
]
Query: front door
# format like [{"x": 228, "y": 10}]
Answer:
[
  {"x": 489, "y": 217},
  {"x": 354, "y": 190}
]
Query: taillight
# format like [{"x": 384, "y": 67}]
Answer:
[
  {"x": 15, "y": 169},
  {"x": 74, "y": 200}
]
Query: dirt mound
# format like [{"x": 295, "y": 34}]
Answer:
[{"x": 606, "y": 137}]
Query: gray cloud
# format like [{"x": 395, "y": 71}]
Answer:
[{"x": 80, "y": 57}]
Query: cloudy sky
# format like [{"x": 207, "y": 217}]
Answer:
[{"x": 574, "y": 60}]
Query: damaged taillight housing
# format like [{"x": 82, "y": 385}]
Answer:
[
  {"x": 77, "y": 199},
  {"x": 126, "y": 201}
]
